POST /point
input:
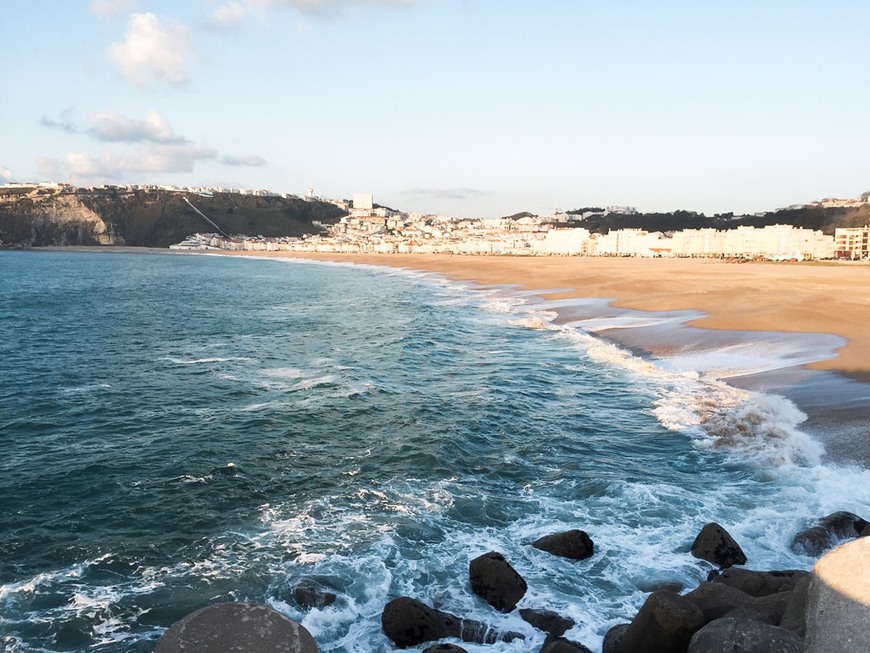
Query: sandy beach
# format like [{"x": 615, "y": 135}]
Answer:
[{"x": 832, "y": 298}]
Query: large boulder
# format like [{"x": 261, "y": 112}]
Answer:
[
  {"x": 409, "y": 622},
  {"x": 759, "y": 583},
  {"x": 236, "y": 626},
  {"x": 613, "y": 637},
  {"x": 574, "y": 544},
  {"x": 307, "y": 594},
  {"x": 444, "y": 648},
  {"x": 664, "y": 624},
  {"x": 550, "y": 622},
  {"x": 827, "y": 532},
  {"x": 744, "y": 636},
  {"x": 496, "y": 582},
  {"x": 562, "y": 645},
  {"x": 716, "y": 600},
  {"x": 838, "y": 600},
  {"x": 767, "y": 609},
  {"x": 714, "y": 544},
  {"x": 794, "y": 618}
]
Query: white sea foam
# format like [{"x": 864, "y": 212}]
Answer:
[
  {"x": 203, "y": 361},
  {"x": 760, "y": 428}
]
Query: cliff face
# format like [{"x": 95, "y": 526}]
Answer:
[{"x": 65, "y": 215}]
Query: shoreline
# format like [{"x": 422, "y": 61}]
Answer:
[
  {"x": 794, "y": 329},
  {"x": 753, "y": 297},
  {"x": 684, "y": 309}
]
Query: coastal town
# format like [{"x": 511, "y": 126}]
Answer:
[
  {"x": 372, "y": 229},
  {"x": 366, "y": 227}
]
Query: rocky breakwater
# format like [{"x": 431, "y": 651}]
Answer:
[
  {"x": 736, "y": 610},
  {"x": 746, "y": 611}
]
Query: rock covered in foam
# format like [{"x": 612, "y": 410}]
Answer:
[
  {"x": 444, "y": 648},
  {"x": 550, "y": 622},
  {"x": 307, "y": 594},
  {"x": 409, "y": 622},
  {"x": 714, "y": 544},
  {"x": 827, "y": 532},
  {"x": 496, "y": 582},
  {"x": 236, "y": 627},
  {"x": 574, "y": 544}
]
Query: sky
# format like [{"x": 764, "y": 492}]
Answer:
[{"x": 472, "y": 108}]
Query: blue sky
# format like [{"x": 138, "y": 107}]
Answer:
[{"x": 463, "y": 107}]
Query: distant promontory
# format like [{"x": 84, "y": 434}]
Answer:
[{"x": 43, "y": 215}]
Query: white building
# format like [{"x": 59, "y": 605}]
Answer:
[
  {"x": 694, "y": 243},
  {"x": 852, "y": 243},
  {"x": 632, "y": 242},
  {"x": 569, "y": 242},
  {"x": 363, "y": 201}
]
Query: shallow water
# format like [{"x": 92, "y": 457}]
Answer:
[{"x": 178, "y": 431}]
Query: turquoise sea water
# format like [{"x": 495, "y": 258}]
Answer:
[{"x": 182, "y": 430}]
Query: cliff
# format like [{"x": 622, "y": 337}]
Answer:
[{"x": 42, "y": 216}]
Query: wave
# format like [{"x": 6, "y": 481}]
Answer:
[
  {"x": 203, "y": 361},
  {"x": 760, "y": 428}
]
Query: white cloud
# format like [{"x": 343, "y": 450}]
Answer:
[
  {"x": 150, "y": 158},
  {"x": 153, "y": 49},
  {"x": 111, "y": 8},
  {"x": 250, "y": 160},
  {"x": 156, "y": 149},
  {"x": 6, "y": 174},
  {"x": 111, "y": 125},
  {"x": 228, "y": 15},
  {"x": 232, "y": 13}
]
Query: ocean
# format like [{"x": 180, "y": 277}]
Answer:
[{"x": 180, "y": 430}]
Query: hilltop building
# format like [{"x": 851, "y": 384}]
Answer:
[{"x": 363, "y": 201}]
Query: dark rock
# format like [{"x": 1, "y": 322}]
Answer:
[
  {"x": 759, "y": 583},
  {"x": 308, "y": 595},
  {"x": 794, "y": 618},
  {"x": 653, "y": 585},
  {"x": 744, "y": 636},
  {"x": 715, "y": 545},
  {"x": 665, "y": 623},
  {"x": 561, "y": 645},
  {"x": 496, "y": 582},
  {"x": 236, "y": 626},
  {"x": 546, "y": 620},
  {"x": 828, "y": 532},
  {"x": 613, "y": 637},
  {"x": 445, "y": 648},
  {"x": 716, "y": 600},
  {"x": 865, "y": 531},
  {"x": 767, "y": 609},
  {"x": 409, "y": 622},
  {"x": 574, "y": 544}
]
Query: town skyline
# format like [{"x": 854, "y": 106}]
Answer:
[{"x": 458, "y": 107}]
